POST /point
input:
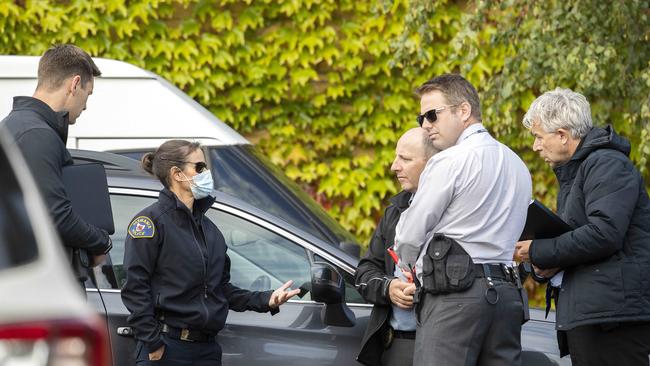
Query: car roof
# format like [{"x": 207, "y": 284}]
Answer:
[
  {"x": 124, "y": 172},
  {"x": 27, "y": 67}
]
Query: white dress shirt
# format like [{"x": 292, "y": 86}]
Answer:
[{"x": 476, "y": 192}]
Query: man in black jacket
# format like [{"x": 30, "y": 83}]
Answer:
[
  {"x": 39, "y": 125},
  {"x": 389, "y": 338},
  {"x": 603, "y": 307}
]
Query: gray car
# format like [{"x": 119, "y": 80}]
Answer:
[{"x": 324, "y": 327}]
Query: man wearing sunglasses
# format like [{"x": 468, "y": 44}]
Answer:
[{"x": 470, "y": 208}]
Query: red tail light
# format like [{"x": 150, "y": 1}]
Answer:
[{"x": 71, "y": 342}]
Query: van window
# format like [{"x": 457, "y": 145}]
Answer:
[{"x": 17, "y": 242}]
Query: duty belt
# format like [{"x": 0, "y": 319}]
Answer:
[
  {"x": 188, "y": 335},
  {"x": 496, "y": 272}
]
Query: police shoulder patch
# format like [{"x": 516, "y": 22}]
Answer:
[{"x": 142, "y": 227}]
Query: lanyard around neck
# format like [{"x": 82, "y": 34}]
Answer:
[{"x": 482, "y": 130}]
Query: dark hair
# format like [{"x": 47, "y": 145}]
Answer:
[
  {"x": 63, "y": 61},
  {"x": 455, "y": 90},
  {"x": 170, "y": 154}
]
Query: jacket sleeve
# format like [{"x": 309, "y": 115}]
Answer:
[
  {"x": 242, "y": 300},
  {"x": 45, "y": 160},
  {"x": 371, "y": 278},
  {"x": 610, "y": 193},
  {"x": 140, "y": 256}
]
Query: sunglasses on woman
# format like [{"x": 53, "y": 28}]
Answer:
[{"x": 199, "y": 166}]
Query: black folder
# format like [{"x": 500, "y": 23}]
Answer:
[
  {"x": 542, "y": 223},
  {"x": 87, "y": 190}
]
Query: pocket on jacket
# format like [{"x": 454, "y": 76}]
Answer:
[{"x": 599, "y": 289}]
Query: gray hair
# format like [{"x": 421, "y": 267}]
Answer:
[{"x": 560, "y": 108}]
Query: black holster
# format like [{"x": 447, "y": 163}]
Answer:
[{"x": 446, "y": 267}]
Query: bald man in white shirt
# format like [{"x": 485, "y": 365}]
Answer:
[{"x": 473, "y": 198}]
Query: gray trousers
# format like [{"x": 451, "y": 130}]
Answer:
[{"x": 463, "y": 329}]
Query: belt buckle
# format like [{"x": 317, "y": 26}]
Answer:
[{"x": 185, "y": 333}]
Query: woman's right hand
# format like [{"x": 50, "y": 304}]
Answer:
[{"x": 157, "y": 354}]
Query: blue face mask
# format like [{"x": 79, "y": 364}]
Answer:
[{"x": 201, "y": 184}]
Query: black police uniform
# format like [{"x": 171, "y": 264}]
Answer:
[
  {"x": 41, "y": 135},
  {"x": 178, "y": 286}
]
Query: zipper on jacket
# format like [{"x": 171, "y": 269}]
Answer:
[{"x": 205, "y": 271}]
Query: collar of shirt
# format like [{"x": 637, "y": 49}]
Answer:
[{"x": 472, "y": 129}]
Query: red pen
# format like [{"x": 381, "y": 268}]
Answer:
[
  {"x": 393, "y": 255},
  {"x": 409, "y": 275}
]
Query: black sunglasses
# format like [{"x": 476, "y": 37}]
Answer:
[
  {"x": 431, "y": 115},
  {"x": 199, "y": 167}
]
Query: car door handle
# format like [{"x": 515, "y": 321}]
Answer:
[{"x": 125, "y": 331}]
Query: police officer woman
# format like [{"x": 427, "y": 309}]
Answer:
[{"x": 178, "y": 286}]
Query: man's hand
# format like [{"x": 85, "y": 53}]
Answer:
[
  {"x": 521, "y": 251},
  {"x": 280, "y": 296},
  {"x": 397, "y": 291},
  {"x": 97, "y": 260},
  {"x": 546, "y": 273},
  {"x": 157, "y": 354}
]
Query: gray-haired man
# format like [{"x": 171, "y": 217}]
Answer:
[{"x": 603, "y": 307}]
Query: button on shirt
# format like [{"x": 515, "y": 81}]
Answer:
[{"x": 476, "y": 192}]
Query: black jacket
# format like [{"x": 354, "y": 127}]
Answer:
[
  {"x": 374, "y": 273},
  {"x": 178, "y": 269},
  {"x": 41, "y": 134},
  {"x": 606, "y": 257}
]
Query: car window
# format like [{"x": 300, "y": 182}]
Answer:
[
  {"x": 260, "y": 259},
  {"x": 124, "y": 207},
  {"x": 17, "y": 242},
  {"x": 245, "y": 173}
]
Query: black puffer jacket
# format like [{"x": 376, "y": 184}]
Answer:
[
  {"x": 607, "y": 257},
  {"x": 374, "y": 273}
]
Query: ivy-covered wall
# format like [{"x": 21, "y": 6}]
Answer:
[
  {"x": 324, "y": 87},
  {"x": 312, "y": 83}
]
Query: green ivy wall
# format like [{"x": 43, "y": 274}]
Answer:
[{"x": 325, "y": 88}]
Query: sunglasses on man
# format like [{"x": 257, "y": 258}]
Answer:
[{"x": 432, "y": 114}]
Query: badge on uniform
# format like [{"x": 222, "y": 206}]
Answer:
[{"x": 142, "y": 227}]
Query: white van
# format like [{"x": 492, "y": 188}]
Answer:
[{"x": 133, "y": 111}]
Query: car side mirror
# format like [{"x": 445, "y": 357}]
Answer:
[
  {"x": 352, "y": 249},
  {"x": 328, "y": 287}
]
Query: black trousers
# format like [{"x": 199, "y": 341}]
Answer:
[
  {"x": 181, "y": 353},
  {"x": 610, "y": 344}
]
